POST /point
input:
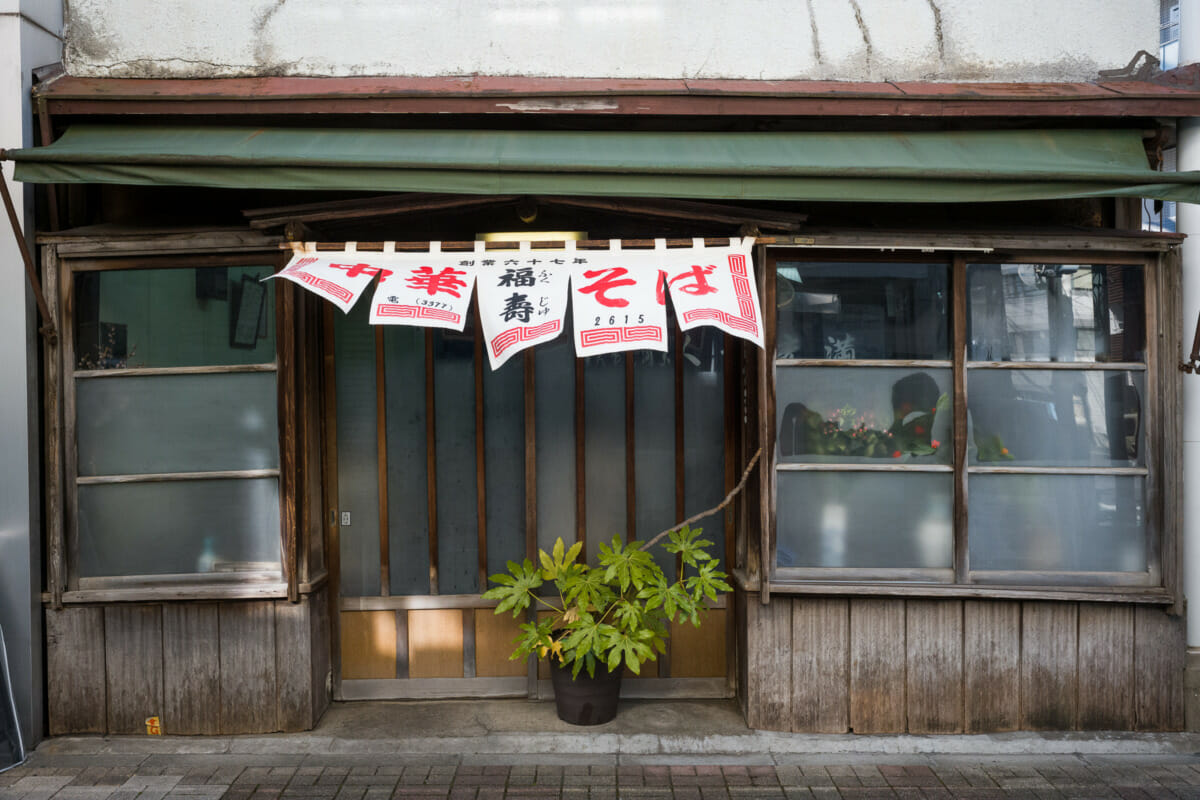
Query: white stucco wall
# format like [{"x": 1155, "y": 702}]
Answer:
[
  {"x": 29, "y": 38},
  {"x": 993, "y": 40}
]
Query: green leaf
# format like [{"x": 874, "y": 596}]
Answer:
[{"x": 516, "y": 591}]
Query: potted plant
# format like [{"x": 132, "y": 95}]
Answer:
[{"x": 606, "y": 618}]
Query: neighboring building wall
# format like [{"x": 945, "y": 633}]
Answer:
[
  {"x": 29, "y": 37},
  {"x": 851, "y": 40}
]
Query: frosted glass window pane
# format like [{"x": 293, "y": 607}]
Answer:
[
  {"x": 865, "y": 519},
  {"x": 554, "y": 396},
  {"x": 358, "y": 468},
  {"x": 1055, "y": 312},
  {"x": 1056, "y": 418},
  {"x": 177, "y": 423},
  {"x": 654, "y": 447},
  {"x": 174, "y": 317},
  {"x": 863, "y": 415},
  {"x": 175, "y": 527},
  {"x": 408, "y": 497},
  {"x": 604, "y": 381},
  {"x": 1057, "y": 522},
  {"x": 504, "y": 435},
  {"x": 862, "y": 310},
  {"x": 458, "y": 528},
  {"x": 704, "y": 431}
]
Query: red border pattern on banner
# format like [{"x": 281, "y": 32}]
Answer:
[
  {"x": 741, "y": 286},
  {"x": 640, "y": 333},
  {"x": 297, "y": 271},
  {"x": 415, "y": 312},
  {"x": 508, "y": 338}
]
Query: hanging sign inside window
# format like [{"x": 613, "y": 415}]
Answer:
[
  {"x": 619, "y": 302},
  {"x": 522, "y": 298},
  {"x": 430, "y": 290},
  {"x": 715, "y": 286},
  {"x": 340, "y": 277}
]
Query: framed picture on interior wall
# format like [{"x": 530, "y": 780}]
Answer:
[
  {"x": 245, "y": 312},
  {"x": 212, "y": 283}
]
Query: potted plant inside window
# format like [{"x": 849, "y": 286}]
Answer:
[{"x": 606, "y": 618}]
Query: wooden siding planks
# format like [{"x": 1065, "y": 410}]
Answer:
[
  {"x": 1159, "y": 652},
  {"x": 820, "y": 665},
  {"x": 293, "y": 666},
  {"x": 191, "y": 669},
  {"x": 991, "y": 666},
  {"x": 133, "y": 658},
  {"x": 248, "y": 679},
  {"x": 1049, "y": 666},
  {"x": 76, "y": 694},
  {"x": 877, "y": 653},
  {"x": 769, "y": 664},
  {"x": 1105, "y": 667},
  {"x": 934, "y": 670}
]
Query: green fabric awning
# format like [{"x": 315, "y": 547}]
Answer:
[{"x": 962, "y": 166}]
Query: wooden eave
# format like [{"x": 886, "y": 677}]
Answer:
[{"x": 65, "y": 96}]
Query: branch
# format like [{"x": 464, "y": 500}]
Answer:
[{"x": 728, "y": 499}]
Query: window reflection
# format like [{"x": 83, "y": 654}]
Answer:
[
  {"x": 1088, "y": 523},
  {"x": 1055, "y": 417},
  {"x": 172, "y": 318},
  {"x": 1056, "y": 312},
  {"x": 862, "y": 310},
  {"x": 832, "y": 414}
]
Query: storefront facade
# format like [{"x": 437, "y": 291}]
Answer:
[{"x": 965, "y": 510}]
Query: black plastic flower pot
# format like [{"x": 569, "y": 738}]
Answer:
[{"x": 585, "y": 700}]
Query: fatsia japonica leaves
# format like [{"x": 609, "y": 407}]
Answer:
[{"x": 615, "y": 613}]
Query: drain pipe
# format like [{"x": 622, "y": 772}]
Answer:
[{"x": 1188, "y": 222}]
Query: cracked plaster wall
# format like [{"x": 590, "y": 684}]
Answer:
[{"x": 860, "y": 40}]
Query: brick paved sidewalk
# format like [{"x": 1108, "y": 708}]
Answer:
[{"x": 383, "y": 777}]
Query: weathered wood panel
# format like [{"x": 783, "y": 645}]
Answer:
[
  {"x": 769, "y": 664},
  {"x": 293, "y": 666},
  {"x": 76, "y": 690},
  {"x": 1049, "y": 666},
  {"x": 820, "y": 665},
  {"x": 1105, "y": 666},
  {"x": 1159, "y": 652},
  {"x": 133, "y": 658},
  {"x": 368, "y": 644},
  {"x": 248, "y": 666},
  {"x": 435, "y": 643},
  {"x": 991, "y": 666},
  {"x": 877, "y": 652},
  {"x": 699, "y": 652},
  {"x": 934, "y": 636},
  {"x": 191, "y": 669},
  {"x": 320, "y": 637},
  {"x": 494, "y": 634}
]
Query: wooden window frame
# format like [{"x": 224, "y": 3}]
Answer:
[
  {"x": 63, "y": 260},
  {"x": 1157, "y": 585}
]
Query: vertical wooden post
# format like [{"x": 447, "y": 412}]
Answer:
[
  {"x": 480, "y": 457},
  {"x": 55, "y": 578},
  {"x": 766, "y": 428},
  {"x": 333, "y": 547},
  {"x": 630, "y": 454},
  {"x": 385, "y": 540},
  {"x": 958, "y": 344},
  {"x": 285, "y": 338},
  {"x": 431, "y": 462},
  {"x": 580, "y": 457}
]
